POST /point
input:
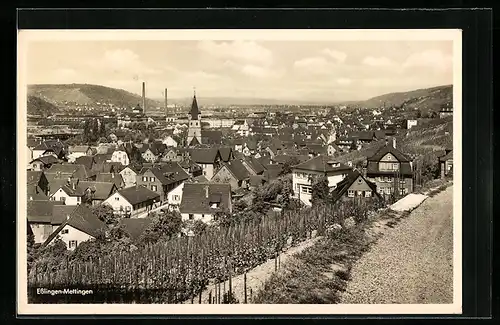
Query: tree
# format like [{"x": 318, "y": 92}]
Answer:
[
  {"x": 162, "y": 227},
  {"x": 105, "y": 213},
  {"x": 102, "y": 129},
  {"x": 320, "y": 190},
  {"x": 288, "y": 164}
]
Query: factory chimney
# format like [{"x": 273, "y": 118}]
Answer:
[
  {"x": 144, "y": 97},
  {"x": 166, "y": 103}
]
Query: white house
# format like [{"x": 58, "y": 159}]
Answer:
[
  {"x": 174, "y": 197},
  {"x": 411, "y": 123},
  {"x": 128, "y": 176},
  {"x": 132, "y": 201},
  {"x": 120, "y": 156},
  {"x": 303, "y": 175},
  {"x": 201, "y": 201},
  {"x": 80, "y": 226},
  {"x": 169, "y": 141},
  {"x": 69, "y": 194}
]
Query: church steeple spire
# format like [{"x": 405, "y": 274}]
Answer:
[{"x": 194, "y": 107}]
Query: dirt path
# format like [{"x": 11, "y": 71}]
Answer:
[
  {"x": 412, "y": 263},
  {"x": 257, "y": 276}
]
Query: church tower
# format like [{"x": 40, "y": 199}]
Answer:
[{"x": 194, "y": 128}]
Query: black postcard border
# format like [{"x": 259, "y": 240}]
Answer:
[{"x": 477, "y": 118}]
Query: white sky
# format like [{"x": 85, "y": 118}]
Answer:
[{"x": 295, "y": 70}]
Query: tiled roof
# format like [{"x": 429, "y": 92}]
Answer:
[
  {"x": 322, "y": 164},
  {"x": 115, "y": 178},
  {"x": 61, "y": 212},
  {"x": 167, "y": 172},
  {"x": 255, "y": 165},
  {"x": 135, "y": 226},
  {"x": 47, "y": 160},
  {"x": 204, "y": 155},
  {"x": 100, "y": 190},
  {"x": 257, "y": 180},
  {"x": 82, "y": 219},
  {"x": 39, "y": 211},
  {"x": 273, "y": 171},
  {"x": 389, "y": 149},
  {"x": 196, "y": 200},
  {"x": 87, "y": 161},
  {"x": 33, "y": 177},
  {"x": 211, "y": 137},
  {"x": 225, "y": 153},
  {"x": 237, "y": 168},
  {"x": 344, "y": 185},
  {"x": 138, "y": 194}
]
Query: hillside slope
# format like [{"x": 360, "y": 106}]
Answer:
[
  {"x": 429, "y": 99},
  {"x": 87, "y": 94},
  {"x": 38, "y": 106},
  {"x": 429, "y": 140}
]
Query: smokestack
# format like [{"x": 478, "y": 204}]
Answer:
[
  {"x": 143, "y": 97},
  {"x": 166, "y": 102}
]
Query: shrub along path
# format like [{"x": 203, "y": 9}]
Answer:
[{"x": 413, "y": 263}]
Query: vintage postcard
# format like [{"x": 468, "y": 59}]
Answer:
[{"x": 239, "y": 172}]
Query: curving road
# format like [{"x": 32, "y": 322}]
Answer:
[{"x": 412, "y": 263}]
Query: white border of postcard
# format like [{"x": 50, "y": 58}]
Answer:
[{"x": 25, "y": 36}]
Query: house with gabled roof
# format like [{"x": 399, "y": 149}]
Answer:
[
  {"x": 39, "y": 214},
  {"x": 390, "y": 170},
  {"x": 50, "y": 147},
  {"x": 120, "y": 155},
  {"x": 201, "y": 201},
  {"x": 208, "y": 158},
  {"x": 96, "y": 192},
  {"x": 87, "y": 161},
  {"x": 132, "y": 201},
  {"x": 115, "y": 178},
  {"x": 355, "y": 186},
  {"x": 304, "y": 173},
  {"x": 161, "y": 177},
  {"x": 43, "y": 163},
  {"x": 37, "y": 183},
  {"x": 446, "y": 163},
  {"x": 226, "y": 153},
  {"x": 233, "y": 173},
  {"x": 80, "y": 226},
  {"x": 69, "y": 193}
]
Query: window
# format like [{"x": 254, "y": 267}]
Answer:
[
  {"x": 64, "y": 231},
  {"x": 144, "y": 179},
  {"x": 191, "y": 216},
  {"x": 388, "y": 179},
  {"x": 360, "y": 181},
  {"x": 380, "y": 190},
  {"x": 405, "y": 191},
  {"x": 127, "y": 208},
  {"x": 350, "y": 193},
  {"x": 78, "y": 199},
  {"x": 117, "y": 198},
  {"x": 151, "y": 179},
  {"x": 387, "y": 190},
  {"x": 306, "y": 190},
  {"x": 62, "y": 198},
  {"x": 359, "y": 193},
  {"x": 154, "y": 188},
  {"x": 73, "y": 244},
  {"x": 368, "y": 193},
  {"x": 202, "y": 216},
  {"x": 176, "y": 197},
  {"x": 395, "y": 166}
]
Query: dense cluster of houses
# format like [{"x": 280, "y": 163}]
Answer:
[{"x": 206, "y": 175}]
